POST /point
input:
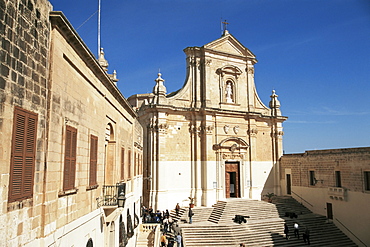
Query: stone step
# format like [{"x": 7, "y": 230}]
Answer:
[{"x": 264, "y": 228}]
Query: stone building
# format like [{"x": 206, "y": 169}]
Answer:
[
  {"x": 214, "y": 138},
  {"x": 335, "y": 183},
  {"x": 70, "y": 144}
]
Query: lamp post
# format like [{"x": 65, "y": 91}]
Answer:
[{"x": 121, "y": 200}]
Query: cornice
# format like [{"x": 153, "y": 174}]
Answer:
[
  {"x": 61, "y": 23},
  {"x": 213, "y": 111}
]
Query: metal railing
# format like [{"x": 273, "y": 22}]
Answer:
[
  {"x": 350, "y": 232},
  {"x": 110, "y": 194},
  {"x": 302, "y": 199}
]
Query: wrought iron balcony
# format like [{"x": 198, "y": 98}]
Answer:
[{"x": 111, "y": 195}]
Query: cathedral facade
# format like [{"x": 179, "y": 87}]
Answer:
[{"x": 214, "y": 138}]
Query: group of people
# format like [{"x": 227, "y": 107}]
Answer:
[
  {"x": 305, "y": 235},
  {"x": 168, "y": 225},
  {"x": 149, "y": 216}
]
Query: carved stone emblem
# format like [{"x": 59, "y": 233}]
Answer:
[
  {"x": 233, "y": 147},
  {"x": 226, "y": 128},
  {"x": 236, "y": 129}
]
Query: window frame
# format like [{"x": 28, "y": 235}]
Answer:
[
  {"x": 129, "y": 164},
  {"x": 70, "y": 151},
  {"x": 367, "y": 181},
  {"x": 312, "y": 179},
  {"x": 93, "y": 160},
  {"x": 122, "y": 163},
  {"x": 338, "y": 179},
  {"x": 23, "y": 155}
]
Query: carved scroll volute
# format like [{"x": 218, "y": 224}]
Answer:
[
  {"x": 162, "y": 128},
  {"x": 253, "y": 132}
]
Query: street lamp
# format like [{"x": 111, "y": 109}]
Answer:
[{"x": 121, "y": 200}]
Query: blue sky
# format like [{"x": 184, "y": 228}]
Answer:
[{"x": 314, "y": 53}]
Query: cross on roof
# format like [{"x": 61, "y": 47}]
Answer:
[{"x": 225, "y": 23}]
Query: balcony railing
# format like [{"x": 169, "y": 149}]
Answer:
[
  {"x": 337, "y": 193},
  {"x": 110, "y": 194}
]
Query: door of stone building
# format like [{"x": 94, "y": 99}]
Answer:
[
  {"x": 232, "y": 179},
  {"x": 329, "y": 210}
]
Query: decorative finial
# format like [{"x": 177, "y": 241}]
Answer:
[
  {"x": 102, "y": 61},
  {"x": 274, "y": 104}
]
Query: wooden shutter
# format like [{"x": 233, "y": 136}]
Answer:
[
  {"x": 70, "y": 159},
  {"x": 129, "y": 164},
  {"x": 93, "y": 159},
  {"x": 122, "y": 163},
  {"x": 22, "y": 155},
  {"x": 135, "y": 163}
]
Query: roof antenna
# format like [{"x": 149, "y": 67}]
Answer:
[{"x": 221, "y": 26}]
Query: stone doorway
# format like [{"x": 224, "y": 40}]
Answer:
[{"x": 232, "y": 179}]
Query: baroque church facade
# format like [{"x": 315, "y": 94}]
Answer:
[
  {"x": 214, "y": 138},
  {"x": 78, "y": 159}
]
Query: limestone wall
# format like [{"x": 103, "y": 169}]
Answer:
[
  {"x": 25, "y": 41},
  {"x": 349, "y": 201},
  {"x": 47, "y": 70}
]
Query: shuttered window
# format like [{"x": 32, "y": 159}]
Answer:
[
  {"x": 93, "y": 160},
  {"x": 129, "y": 164},
  {"x": 70, "y": 159},
  {"x": 22, "y": 155},
  {"x": 122, "y": 164}
]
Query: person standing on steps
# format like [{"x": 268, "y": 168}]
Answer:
[
  {"x": 306, "y": 236},
  {"x": 178, "y": 240},
  {"x": 296, "y": 230},
  {"x": 190, "y": 214},
  {"x": 286, "y": 231},
  {"x": 177, "y": 209},
  {"x": 165, "y": 224},
  {"x": 163, "y": 240}
]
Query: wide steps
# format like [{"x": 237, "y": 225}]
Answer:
[{"x": 265, "y": 227}]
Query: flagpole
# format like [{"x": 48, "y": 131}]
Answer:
[{"x": 99, "y": 28}]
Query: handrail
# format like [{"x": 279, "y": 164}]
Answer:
[
  {"x": 350, "y": 232},
  {"x": 157, "y": 236},
  {"x": 149, "y": 232},
  {"x": 302, "y": 198}
]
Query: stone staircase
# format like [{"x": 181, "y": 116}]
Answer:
[
  {"x": 265, "y": 227},
  {"x": 148, "y": 234}
]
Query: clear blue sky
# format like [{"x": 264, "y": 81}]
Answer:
[{"x": 314, "y": 53}]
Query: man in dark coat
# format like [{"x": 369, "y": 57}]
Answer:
[{"x": 190, "y": 214}]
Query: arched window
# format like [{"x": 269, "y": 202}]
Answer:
[
  {"x": 89, "y": 243},
  {"x": 130, "y": 228},
  {"x": 123, "y": 239},
  {"x": 109, "y": 133}
]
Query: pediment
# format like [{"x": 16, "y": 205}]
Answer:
[{"x": 229, "y": 44}]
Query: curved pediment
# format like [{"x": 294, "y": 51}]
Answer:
[
  {"x": 231, "y": 143},
  {"x": 229, "y": 69}
]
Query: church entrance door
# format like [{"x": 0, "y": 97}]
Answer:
[{"x": 232, "y": 179}]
